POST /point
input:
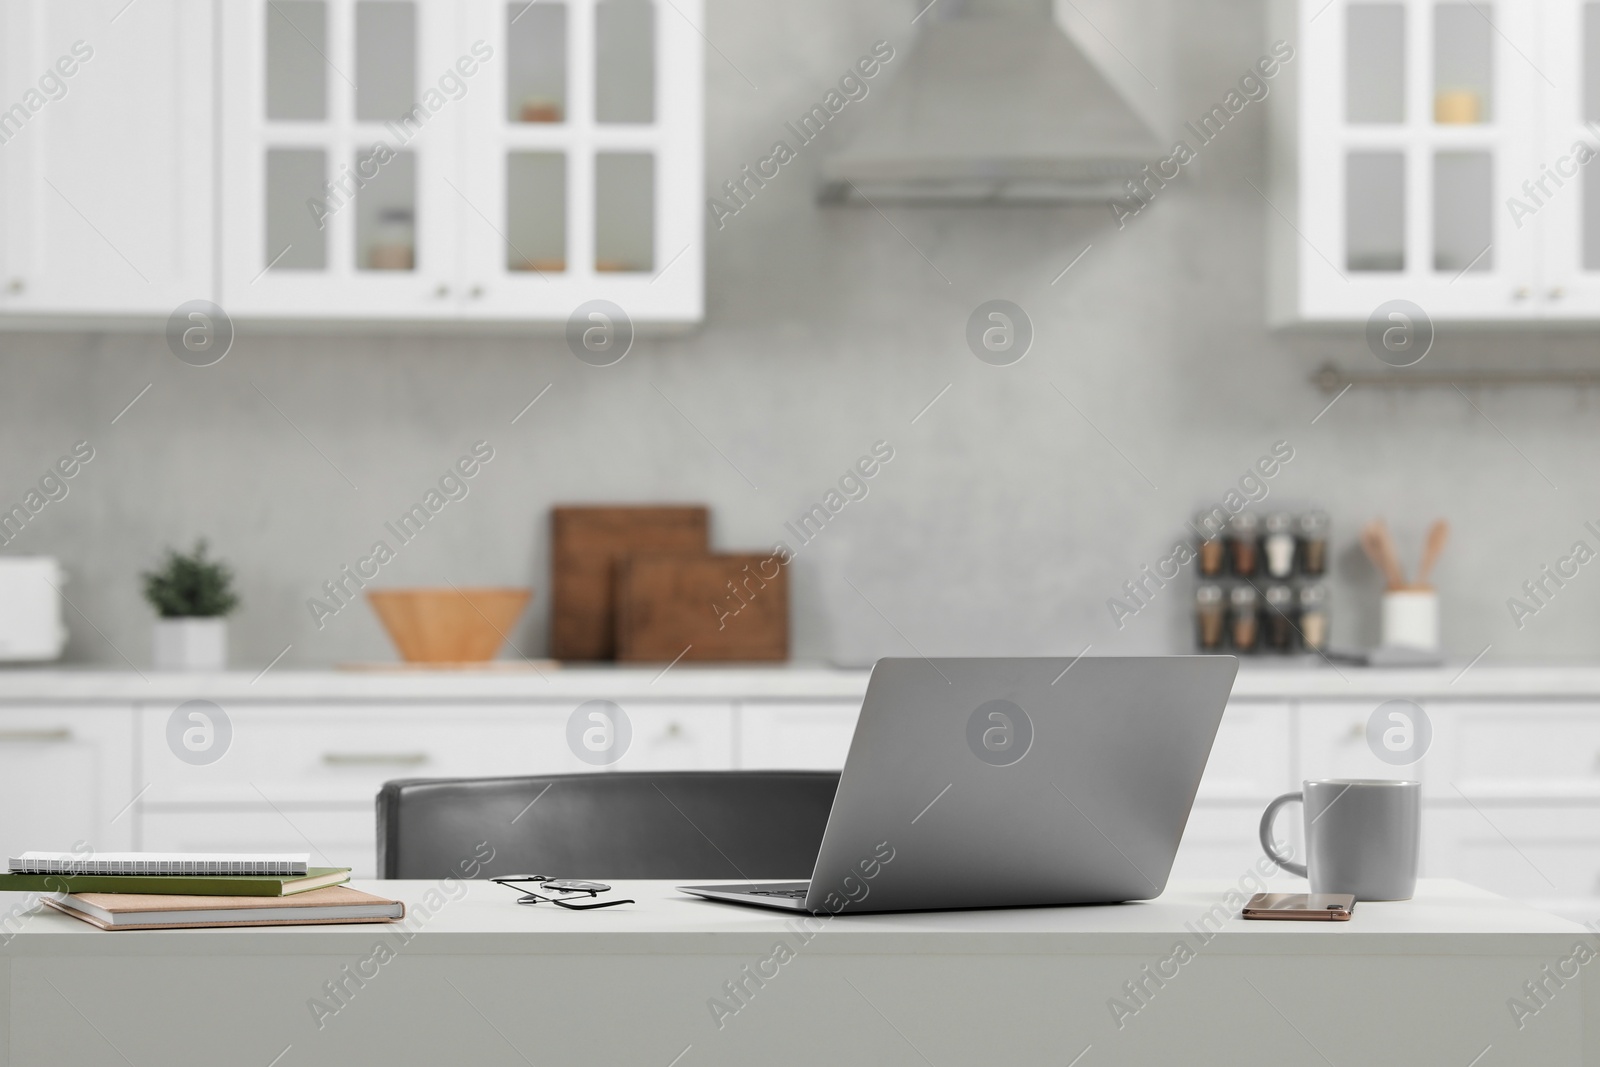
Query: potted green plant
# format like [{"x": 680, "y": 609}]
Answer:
[{"x": 192, "y": 594}]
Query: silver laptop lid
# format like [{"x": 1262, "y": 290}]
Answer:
[{"x": 994, "y": 782}]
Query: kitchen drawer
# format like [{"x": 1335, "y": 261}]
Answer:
[
  {"x": 1333, "y": 743},
  {"x": 795, "y": 736},
  {"x": 679, "y": 737},
  {"x": 334, "y": 838},
  {"x": 1527, "y": 852},
  {"x": 1250, "y": 760},
  {"x": 66, "y": 776},
  {"x": 1531, "y": 751},
  {"x": 308, "y": 754}
]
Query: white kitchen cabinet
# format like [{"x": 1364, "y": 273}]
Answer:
[
  {"x": 1247, "y": 764},
  {"x": 106, "y": 150},
  {"x": 1548, "y": 855},
  {"x": 66, "y": 779},
  {"x": 585, "y": 167},
  {"x": 1530, "y": 753},
  {"x": 429, "y": 160},
  {"x": 337, "y": 174},
  {"x": 304, "y": 778},
  {"x": 1404, "y": 132},
  {"x": 1565, "y": 193},
  {"x": 796, "y": 735},
  {"x": 1220, "y": 841},
  {"x": 305, "y": 754},
  {"x": 1333, "y": 742},
  {"x": 678, "y": 737}
]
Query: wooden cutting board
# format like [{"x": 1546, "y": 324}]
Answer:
[
  {"x": 586, "y": 544},
  {"x": 672, "y": 606}
]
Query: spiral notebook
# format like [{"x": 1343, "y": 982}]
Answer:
[{"x": 277, "y": 864}]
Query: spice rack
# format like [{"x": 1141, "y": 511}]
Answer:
[{"x": 1261, "y": 588}]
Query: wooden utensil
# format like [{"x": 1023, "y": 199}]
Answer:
[
  {"x": 725, "y": 607},
  {"x": 1379, "y": 546},
  {"x": 1391, "y": 554},
  {"x": 1438, "y": 536},
  {"x": 586, "y": 545}
]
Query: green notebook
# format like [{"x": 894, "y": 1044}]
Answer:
[{"x": 192, "y": 885}]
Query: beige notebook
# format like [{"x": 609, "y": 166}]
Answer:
[{"x": 148, "y": 911}]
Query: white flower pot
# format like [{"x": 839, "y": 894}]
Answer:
[{"x": 191, "y": 644}]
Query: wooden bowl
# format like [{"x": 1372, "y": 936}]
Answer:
[{"x": 448, "y": 625}]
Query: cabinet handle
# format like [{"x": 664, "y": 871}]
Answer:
[
  {"x": 61, "y": 734},
  {"x": 1557, "y": 293},
  {"x": 368, "y": 759},
  {"x": 1520, "y": 293}
]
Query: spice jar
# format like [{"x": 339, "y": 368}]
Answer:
[
  {"x": 1210, "y": 548},
  {"x": 1244, "y": 623},
  {"x": 1244, "y": 543},
  {"x": 1313, "y": 529},
  {"x": 1314, "y": 616},
  {"x": 1210, "y": 616},
  {"x": 1277, "y": 626},
  {"x": 1277, "y": 546}
]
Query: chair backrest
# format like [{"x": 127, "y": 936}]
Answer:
[{"x": 677, "y": 825}]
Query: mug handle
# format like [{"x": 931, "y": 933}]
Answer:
[{"x": 1296, "y": 869}]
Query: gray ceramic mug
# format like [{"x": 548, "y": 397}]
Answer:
[{"x": 1362, "y": 836}]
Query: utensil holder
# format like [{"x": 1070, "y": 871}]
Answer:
[{"x": 1411, "y": 619}]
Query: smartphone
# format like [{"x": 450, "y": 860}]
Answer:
[{"x": 1313, "y": 907}]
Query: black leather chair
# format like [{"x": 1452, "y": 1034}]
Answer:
[{"x": 676, "y": 825}]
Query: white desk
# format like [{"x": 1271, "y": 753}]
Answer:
[{"x": 483, "y": 982}]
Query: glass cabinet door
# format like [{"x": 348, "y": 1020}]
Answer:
[
  {"x": 589, "y": 126},
  {"x": 1559, "y": 196},
  {"x": 340, "y": 133},
  {"x": 489, "y": 159},
  {"x": 1418, "y": 125}
]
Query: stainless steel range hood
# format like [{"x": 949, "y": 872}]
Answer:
[{"x": 992, "y": 103}]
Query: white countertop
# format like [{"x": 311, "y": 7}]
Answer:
[
  {"x": 1445, "y": 918},
  {"x": 1257, "y": 681},
  {"x": 541, "y": 683}
]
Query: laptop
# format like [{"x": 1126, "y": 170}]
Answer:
[{"x": 986, "y": 783}]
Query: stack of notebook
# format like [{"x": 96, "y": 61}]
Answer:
[{"x": 159, "y": 891}]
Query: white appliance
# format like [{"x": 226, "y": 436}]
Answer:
[{"x": 31, "y": 626}]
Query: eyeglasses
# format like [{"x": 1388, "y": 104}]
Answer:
[{"x": 571, "y": 887}]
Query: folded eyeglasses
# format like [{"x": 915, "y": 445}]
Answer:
[{"x": 571, "y": 890}]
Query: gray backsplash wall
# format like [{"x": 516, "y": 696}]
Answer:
[{"x": 1014, "y": 507}]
